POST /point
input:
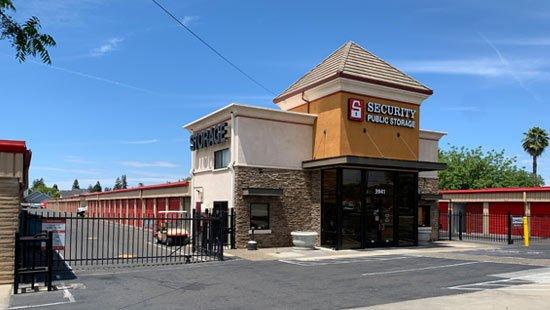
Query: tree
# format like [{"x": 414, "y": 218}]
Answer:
[
  {"x": 107, "y": 189},
  {"x": 96, "y": 188},
  {"x": 118, "y": 184},
  {"x": 75, "y": 184},
  {"x": 123, "y": 182},
  {"x": 39, "y": 185},
  {"x": 25, "y": 39},
  {"x": 475, "y": 168},
  {"x": 535, "y": 141},
  {"x": 140, "y": 184}
]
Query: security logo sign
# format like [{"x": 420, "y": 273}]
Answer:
[{"x": 356, "y": 108}]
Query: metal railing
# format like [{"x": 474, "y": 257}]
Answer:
[
  {"x": 109, "y": 239},
  {"x": 33, "y": 260},
  {"x": 505, "y": 227}
]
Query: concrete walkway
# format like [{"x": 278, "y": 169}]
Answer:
[
  {"x": 436, "y": 248},
  {"x": 5, "y": 293},
  {"x": 494, "y": 294}
]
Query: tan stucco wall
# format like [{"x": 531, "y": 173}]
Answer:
[
  {"x": 335, "y": 135},
  {"x": 270, "y": 143},
  {"x": 212, "y": 186},
  {"x": 12, "y": 165},
  {"x": 9, "y": 211}
]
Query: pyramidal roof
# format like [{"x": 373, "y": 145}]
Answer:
[{"x": 354, "y": 62}]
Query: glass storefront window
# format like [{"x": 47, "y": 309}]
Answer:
[
  {"x": 329, "y": 210},
  {"x": 380, "y": 211},
  {"x": 352, "y": 209},
  {"x": 362, "y": 208},
  {"x": 407, "y": 208}
]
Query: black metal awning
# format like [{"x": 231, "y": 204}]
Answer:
[
  {"x": 373, "y": 163},
  {"x": 266, "y": 192},
  {"x": 430, "y": 197}
]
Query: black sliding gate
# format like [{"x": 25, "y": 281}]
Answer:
[
  {"x": 103, "y": 241},
  {"x": 500, "y": 227}
]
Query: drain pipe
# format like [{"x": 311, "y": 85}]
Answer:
[{"x": 306, "y": 101}]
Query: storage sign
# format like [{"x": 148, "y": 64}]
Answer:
[
  {"x": 57, "y": 227},
  {"x": 207, "y": 137},
  {"x": 517, "y": 221},
  {"x": 379, "y": 113}
]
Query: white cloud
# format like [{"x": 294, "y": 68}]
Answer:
[
  {"x": 111, "y": 45},
  {"x": 483, "y": 67},
  {"x": 540, "y": 41},
  {"x": 65, "y": 170},
  {"x": 97, "y": 78},
  {"x": 150, "y": 141},
  {"x": 58, "y": 12},
  {"x": 461, "y": 109},
  {"x": 153, "y": 164},
  {"x": 77, "y": 160},
  {"x": 516, "y": 75},
  {"x": 188, "y": 20}
]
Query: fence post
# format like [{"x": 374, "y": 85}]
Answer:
[
  {"x": 49, "y": 253},
  {"x": 232, "y": 236},
  {"x": 194, "y": 231},
  {"x": 449, "y": 224},
  {"x": 460, "y": 226},
  {"x": 16, "y": 265},
  {"x": 510, "y": 241},
  {"x": 221, "y": 236}
]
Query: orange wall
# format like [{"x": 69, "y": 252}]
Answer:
[{"x": 335, "y": 135}]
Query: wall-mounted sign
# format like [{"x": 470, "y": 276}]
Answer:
[
  {"x": 390, "y": 115},
  {"x": 356, "y": 110},
  {"x": 57, "y": 227},
  {"x": 207, "y": 137},
  {"x": 381, "y": 113}
]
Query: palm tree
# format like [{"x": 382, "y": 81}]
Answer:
[{"x": 535, "y": 140}]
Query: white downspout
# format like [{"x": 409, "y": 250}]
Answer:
[{"x": 233, "y": 154}]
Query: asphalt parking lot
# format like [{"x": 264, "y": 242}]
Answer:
[{"x": 280, "y": 284}]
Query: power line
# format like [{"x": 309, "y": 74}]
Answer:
[{"x": 212, "y": 48}]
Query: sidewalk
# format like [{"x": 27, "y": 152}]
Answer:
[
  {"x": 5, "y": 293},
  {"x": 324, "y": 253}
]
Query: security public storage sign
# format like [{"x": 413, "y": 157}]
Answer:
[{"x": 57, "y": 227}]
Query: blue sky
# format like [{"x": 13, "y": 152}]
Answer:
[{"x": 125, "y": 78}]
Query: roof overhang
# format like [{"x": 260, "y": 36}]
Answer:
[
  {"x": 371, "y": 162},
  {"x": 344, "y": 83},
  {"x": 224, "y": 114}
]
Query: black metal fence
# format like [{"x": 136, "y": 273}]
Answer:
[
  {"x": 506, "y": 228},
  {"x": 33, "y": 261},
  {"x": 81, "y": 242}
]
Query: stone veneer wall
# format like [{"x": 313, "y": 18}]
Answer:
[
  {"x": 430, "y": 186},
  {"x": 298, "y": 209},
  {"x": 9, "y": 221}
]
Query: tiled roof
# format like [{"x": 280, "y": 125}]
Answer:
[
  {"x": 36, "y": 197},
  {"x": 354, "y": 62},
  {"x": 496, "y": 190},
  {"x": 12, "y": 146}
]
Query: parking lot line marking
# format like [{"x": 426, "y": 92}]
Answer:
[
  {"x": 41, "y": 305},
  {"x": 419, "y": 269},
  {"x": 66, "y": 294},
  {"x": 331, "y": 261}
]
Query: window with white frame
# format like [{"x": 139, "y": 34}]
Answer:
[{"x": 221, "y": 159}]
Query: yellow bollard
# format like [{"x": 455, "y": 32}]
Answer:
[{"x": 525, "y": 231}]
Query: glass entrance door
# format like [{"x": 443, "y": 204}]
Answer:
[{"x": 379, "y": 213}]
